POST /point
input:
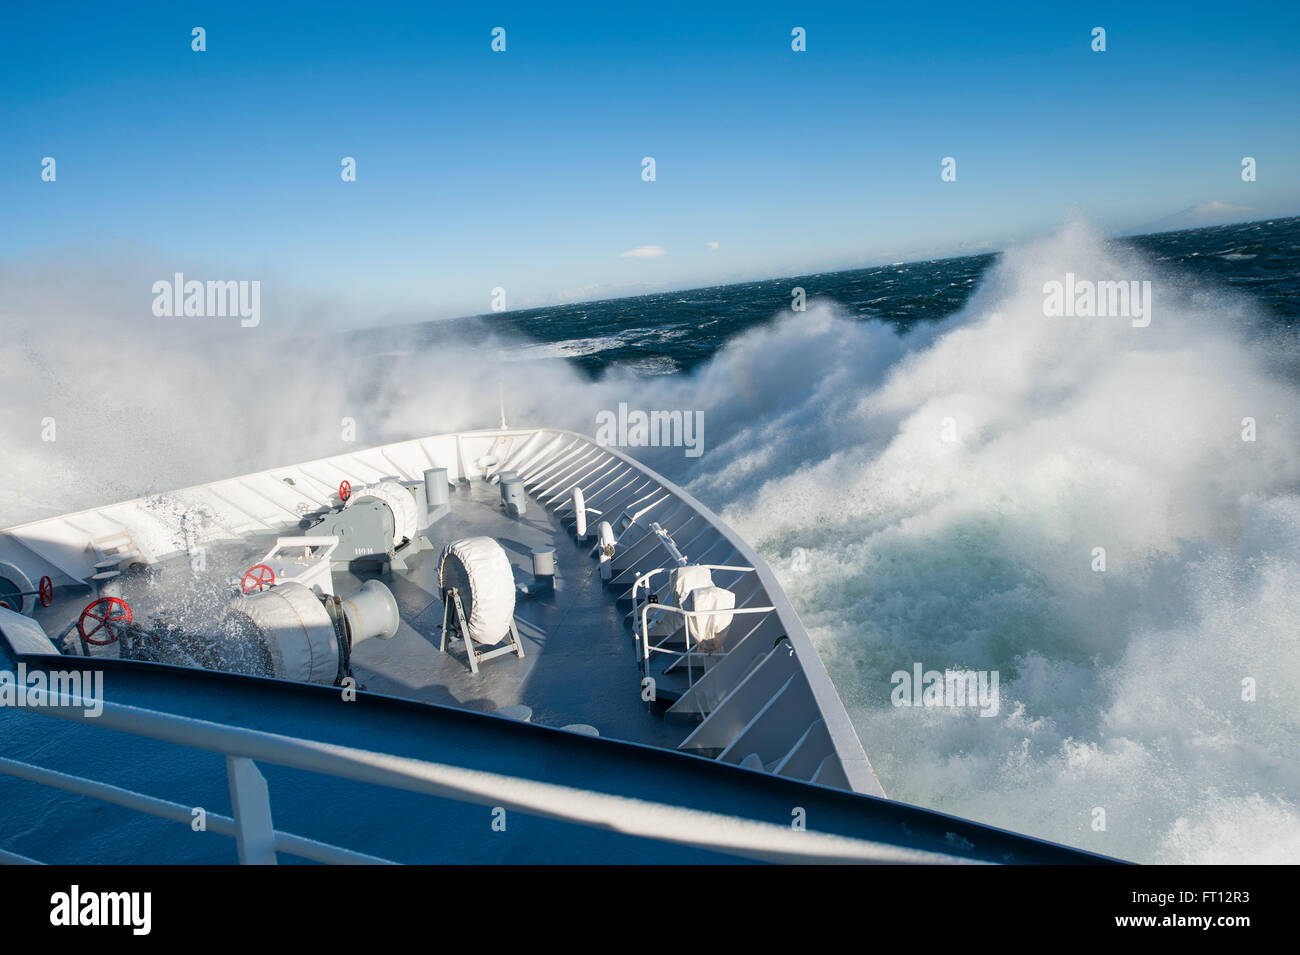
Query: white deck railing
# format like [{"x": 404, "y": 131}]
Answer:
[
  {"x": 259, "y": 842},
  {"x": 641, "y": 612}
]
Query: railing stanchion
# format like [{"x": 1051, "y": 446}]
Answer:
[{"x": 251, "y": 802}]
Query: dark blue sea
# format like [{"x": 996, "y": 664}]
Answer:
[{"x": 672, "y": 332}]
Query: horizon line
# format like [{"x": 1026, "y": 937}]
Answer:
[{"x": 790, "y": 276}]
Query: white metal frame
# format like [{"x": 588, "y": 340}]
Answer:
[
  {"x": 641, "y": 612},
  {"x": 451, "y": 605},
  {"x": 313, "y": 572},
  {"x": 648, "y": 647}
]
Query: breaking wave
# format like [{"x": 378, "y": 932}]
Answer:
[{"x": 1122, "y": 690}]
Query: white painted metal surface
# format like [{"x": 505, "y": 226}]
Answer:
[{"x": 304, "y": 559}]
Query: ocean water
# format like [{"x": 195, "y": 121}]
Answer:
[
  {"x": 675, "y": 332},
  {"x": 927, "y": 460}
]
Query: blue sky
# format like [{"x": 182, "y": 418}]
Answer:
[{"x": 522, "y": 169}]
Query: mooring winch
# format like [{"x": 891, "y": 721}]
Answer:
[
  {"x": 288, "y": 631},
  {"x": 383, "y": 523}
]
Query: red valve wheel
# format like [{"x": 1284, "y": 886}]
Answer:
[
  {"x": 110, "y": 613},
  {"x": 257, "y": 578},
  {"x": 345, "y": 491},
  {"x": 46, "y": 591}
]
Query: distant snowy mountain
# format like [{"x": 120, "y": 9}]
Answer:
[{"x": 1200, "y": 216}]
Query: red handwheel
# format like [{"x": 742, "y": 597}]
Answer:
[
  {"x": 345, "y": 491},
  {"x": 109, "y": 614},
  {"x": 257, "y": 578},
  {"x": 47, "y": 591}
]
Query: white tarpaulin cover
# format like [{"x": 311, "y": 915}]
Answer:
[
  {"x": 399, "y": 501},
  {"x": 295, "y": 629},
  {"x": 686, "y": 579},
  {"x": 708, "y": 629},
  {"x": 480, "y": 571}
]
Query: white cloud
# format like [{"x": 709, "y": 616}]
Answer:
[
  {"x": 712, "y": 245},
  {"x": 644, "y": 252}
]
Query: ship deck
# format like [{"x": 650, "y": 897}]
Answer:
[
  {"x": 758, "y": 697},
  {"x": 404, "y": 770},
  {"x": 579, "y": 664}
]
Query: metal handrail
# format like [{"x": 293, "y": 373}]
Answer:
[
  {"x": 663, "y": 822},
  {"x": 165, "y": 809},
  {"x": 689, "y": 615},
  {"x": 644, "y": 579},
  {"x": 642, "y": 635}
]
